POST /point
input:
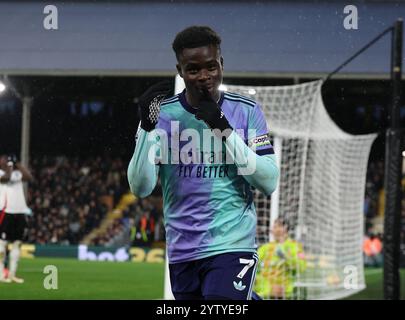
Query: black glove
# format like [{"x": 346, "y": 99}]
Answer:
[
  {"x": 210, "y": 112},
  {"x": 150, "y": 101}
]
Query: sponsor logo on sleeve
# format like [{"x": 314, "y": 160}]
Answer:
[{"x": 260, "y": 141}]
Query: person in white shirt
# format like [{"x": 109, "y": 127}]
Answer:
[{"x": 13, "y": 211}]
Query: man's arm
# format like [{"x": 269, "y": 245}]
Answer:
[
  {"x": 259, "y": 171},
  {"x": 26, "y": 174},
  {"x": 142, "y": 172},
  {"x": 7, "y": 173}
]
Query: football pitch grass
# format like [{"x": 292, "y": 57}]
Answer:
[{"x": 87, "y": 280}]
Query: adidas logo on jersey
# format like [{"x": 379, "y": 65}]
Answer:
[{"x": 239, "y": 286}]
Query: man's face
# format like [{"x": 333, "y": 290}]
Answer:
[
  {"x": 201, "y": 68},
  {"x": 279, "y": 230}
]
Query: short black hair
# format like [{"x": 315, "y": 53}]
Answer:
[{"x": 194, "y": 37}]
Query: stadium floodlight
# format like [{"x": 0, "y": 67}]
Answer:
[
  {"x": 403, "y": 153},
  {"x": 2, "y": 87}
]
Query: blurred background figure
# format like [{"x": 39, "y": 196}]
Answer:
[
  {"x": 13, "y": 221},
  {"x": 372, "y": 248},
  {"x": 280, "y": 263}
]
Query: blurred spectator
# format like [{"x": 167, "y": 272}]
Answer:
[
  {"x": 372, "y": 248},
  {"x": 374, "y": 196}
]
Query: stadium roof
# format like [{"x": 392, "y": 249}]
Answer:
[{"x": 262, "y": 38}]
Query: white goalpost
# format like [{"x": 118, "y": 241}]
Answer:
[{"x": 320, "y": 192}]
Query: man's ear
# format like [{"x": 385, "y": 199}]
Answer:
[
  {"x": 179, "y": 70},
  {"x": 222, "y": 62}
]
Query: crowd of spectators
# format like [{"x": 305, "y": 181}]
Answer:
[
  {"x": 145, "y": 221},
  {"x": 69, "y": 197},
  {"x": 141, "y": 224},
  {"x": 374, "y": 203},
  {"x": 373, "y": 200},
  {"x": 374, "y": 197},
  {"x": 115, "y": 234}
]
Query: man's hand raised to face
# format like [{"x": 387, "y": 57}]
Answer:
[{"x": 210, "y": 112}]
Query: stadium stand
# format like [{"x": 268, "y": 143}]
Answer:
[
  {"x": 69, "y": 197},
  {"x": 136, "y": 222},
  {"x": 374, "y": 197}
]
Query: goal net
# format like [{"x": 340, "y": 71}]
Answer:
[{"x": 320, "y": 195}]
